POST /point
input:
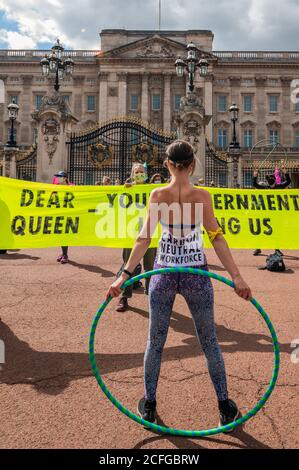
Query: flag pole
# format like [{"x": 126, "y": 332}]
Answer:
[{"x": 159, "y": 15}]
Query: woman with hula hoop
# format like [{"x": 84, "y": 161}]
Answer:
[{"x": 180, "y": 245}]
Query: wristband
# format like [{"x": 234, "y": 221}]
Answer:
[{"x": 127, "y": 272}]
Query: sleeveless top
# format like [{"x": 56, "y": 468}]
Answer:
[{"x": 181, "y": 251}]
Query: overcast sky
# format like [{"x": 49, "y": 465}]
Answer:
[{"x": 236, "y": 24}]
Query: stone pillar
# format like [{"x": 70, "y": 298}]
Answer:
[
  {"x": 55, "y": 122},
  {"x": 234, "y": 168},
  {"x": 167, "y": 103},
  {"x": 103, "y": 96},
  {"x": 122, "y": 94},
  {"x": 208, "y": 93},
  {"x": 144, "y": 98},
  {"x": 261, "y": 107},
  {"x": 9, "y": 162},
  {"x": 191, "y": 126},
  {"x": 286, "y": 136}
]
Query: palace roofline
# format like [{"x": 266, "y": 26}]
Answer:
[{"x": 157, "y": 31}]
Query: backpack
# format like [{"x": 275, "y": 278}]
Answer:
[{"x": 275, "y": 263}]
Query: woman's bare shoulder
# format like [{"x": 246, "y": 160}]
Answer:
[{"x": 202, "y": 194}]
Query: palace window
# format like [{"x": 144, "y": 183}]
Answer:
[
  {"x": 156, "y": 102},
  {"x": 222, "y": 138},
  {"x": 273, "y": 103},
  {"x": 38, "y": 101},
  {"x": 297, "y": 138},
  {"x": 14, "y": 98},
  {"x": 247, "y": 103},
  {"x": 247, "y": 82},
  {"x": 177, "y": 102},
  {"x": 221, "y": 81},
  {"x": 66, "y": 98},
  {"x": 134, "y": 104},
  {"x": 222, "y": 103},
  {"x": 91, "y": 103},
  {"x": 247, "y": 138},
  {"x": 297, "y": 104},
  {"x": 273, "y": 136}
]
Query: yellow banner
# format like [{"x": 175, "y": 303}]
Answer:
[{"x": 36, "y": 215}]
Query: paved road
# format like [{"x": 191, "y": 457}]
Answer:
[{"x": 49, "y": 398}]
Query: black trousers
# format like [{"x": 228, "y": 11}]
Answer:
[
  {"x": 148, "y": 264},
  {"x": 64, "y": 250}
]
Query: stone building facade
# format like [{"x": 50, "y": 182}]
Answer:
[{"x": 134, "y": 74}]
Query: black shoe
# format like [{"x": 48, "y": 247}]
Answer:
[
  {"x": 137, "y": 285},
  {"x": 257, "y": 252},
  {"x": 278, "y": 252},
  {"x": 147, "y": 410},
  {"x": 229, "y": 415},
  {"x": 3, "y": 252},
  {"x": 122, "y": 305}
]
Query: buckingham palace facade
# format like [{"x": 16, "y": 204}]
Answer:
[{"x": 133, "y": 74}]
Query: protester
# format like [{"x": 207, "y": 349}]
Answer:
[
  {"x": 157, "y": 179},
  {"x": 271, "y": 184},
  {"x": 138, "y": 176},
  {"x": 106, "y": 181},
  {"x": 197, "y": 290},
  {"x": 62, "y": 178}
]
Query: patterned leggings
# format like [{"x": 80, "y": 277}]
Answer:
[{"x": 199, "y": 295}]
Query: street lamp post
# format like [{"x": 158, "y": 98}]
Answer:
[
  {"x": 191, "y": 64},
  {"x": 13, "y": 110},
  {"x": 234, "y": 110},
  {"x": 56, "y": 64}
]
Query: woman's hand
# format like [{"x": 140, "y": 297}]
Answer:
[
  {"x": 115, "y": 288},
  {"x": 241, "y": 288}
]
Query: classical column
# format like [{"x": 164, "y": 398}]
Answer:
[
  {"x": 103, "y": 96},
  {"x": 286, "y": 127},
  {"x": 122, "y": 94},
  {"x": 167, "y": 103},
  {"x": 208, "y": 91},
  {"x": 144, "y": 98},
  {"x": 261, "y": 107}
]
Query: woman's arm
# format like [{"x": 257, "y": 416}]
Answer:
[
  {"x": 222, "y": 249},
  {"x": 142, "y": 243}
]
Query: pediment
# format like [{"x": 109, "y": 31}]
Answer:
[
  {"x": 153, "y": 47},
  {"x": 248, "y": 123},
  {"x": 222, "y": 123},
  {"x": 273, "y": 123}
]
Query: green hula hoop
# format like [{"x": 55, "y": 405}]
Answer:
[{"x": 182, "y": 432}]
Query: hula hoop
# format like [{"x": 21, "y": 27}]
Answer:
[
  {"x": 182, "y": 432},
  {"x": 276, "y": 146}
]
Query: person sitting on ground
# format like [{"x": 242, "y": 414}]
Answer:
[{"x": 271, "y": 184}]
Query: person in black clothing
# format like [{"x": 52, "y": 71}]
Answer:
[{"x": 271, "y": 184}]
